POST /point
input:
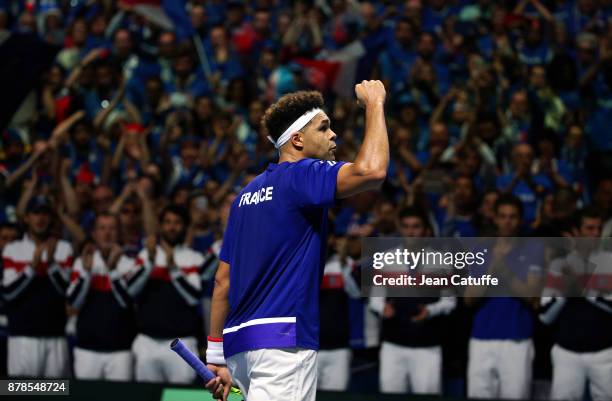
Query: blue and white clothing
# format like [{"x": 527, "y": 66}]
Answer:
[
  {"x": 275, "y": 246},
  {"x": 525, "y": 193},
  {"x": 505, "y": 318},
  {"x": 500, "y": 345}
]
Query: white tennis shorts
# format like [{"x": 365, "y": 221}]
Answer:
[{"x": 275, "y": 374}]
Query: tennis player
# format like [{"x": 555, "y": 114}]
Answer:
[{"x": 265, "y": 311}]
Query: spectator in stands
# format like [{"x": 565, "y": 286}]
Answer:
[
  {"x": 77, "y": 35},
  {"x": 574, "y": 154},
  {"x": 518, "y": 118},
  {"x": 456, "y": 210},
  {"x": 105, "y": 324},
  {"x": 136, "y": 216},
  {"x": 85, "y": 153},
  {"x": 223, "y": 58},
  {"x": 486, "y": 214},
  {"x": 185, "y": 169},
  {"x": 200, "y": 235},
  {"x": 397, "y": 59},
  {"x": 186, "y": 83},
  {"x": 557, "y": 214},
  {"x": 549, "y": 104},
  {"x": 303, "y": 37},
  {"x": 101, "y": 199},
  {"x": 530, "y": 188},
  {"x": 385, "y": 219}
]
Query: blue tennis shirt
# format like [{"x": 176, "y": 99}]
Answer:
[{"x": 275, "y": 246}]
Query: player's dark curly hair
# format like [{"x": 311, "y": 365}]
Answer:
[{"x": 280, "y": 115}]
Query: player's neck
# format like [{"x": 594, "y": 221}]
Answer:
[{"x": 289, "y": 157}]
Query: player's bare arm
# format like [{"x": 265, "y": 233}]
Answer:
[
  {"x": 220, "y": 387},
  {"x": 369, "y": 169},
  {"x": 220, "y": 300}
]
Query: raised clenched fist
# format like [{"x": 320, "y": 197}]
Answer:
[{"x": 370, "y": 92}]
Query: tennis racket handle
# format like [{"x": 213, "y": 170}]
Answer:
[{"x": 196, "y": 364}]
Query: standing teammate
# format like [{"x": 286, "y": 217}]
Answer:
[
  {"x": 265, "y": 312},
  {"x": 501, "y": 347},
  {"x": 105, "y": 324},
  {"x": 412, "y": 327},
  {"x": 9, "y": 232},
  {"x": 166, "y": 286},
  {"x": 338, "y": 287},
  {"x": 36, "y": 275},
  {"x": 582, "y": 323}
]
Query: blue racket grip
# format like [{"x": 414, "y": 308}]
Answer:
[{"x": 196, "y": 364}]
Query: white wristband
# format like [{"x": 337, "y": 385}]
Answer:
[{"x": 214, "y": 353}]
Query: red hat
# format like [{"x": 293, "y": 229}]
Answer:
[
  {"x": 85, "y": 176},
  {"x": 134, "y": 127}
]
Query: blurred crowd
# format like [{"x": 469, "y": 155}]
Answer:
[{"x": 118, "y": 169}]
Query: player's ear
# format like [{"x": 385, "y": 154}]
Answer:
[{"x": 297, "y": 140}]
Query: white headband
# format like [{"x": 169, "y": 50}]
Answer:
[{"x": 293, "y": 128}]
